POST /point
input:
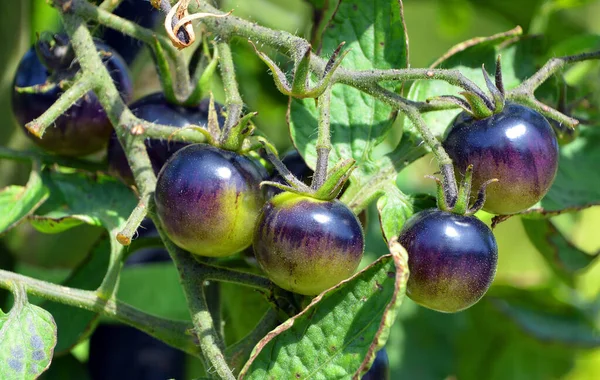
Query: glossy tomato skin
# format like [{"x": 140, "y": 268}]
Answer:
[
  {"x": 208, "y": 199},
  {"x": 452, "y": 259},
  {"x": 155, "y": 108},
  {"x": 380, "y": 369},
  {"x": 517, "y": 146},
  {"x": 84, "y": 128},
  {"x": 306, "y": 245}
]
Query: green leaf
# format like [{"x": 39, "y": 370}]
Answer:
[
  {"x": 375, "y": 33},
  {"x": 546, "y": 318},
  {"x": 577, "y": 184},
  {"x": 467, "y": 57},
  {"x": 339, "y": 332},
  {"x": 17, "y": 202},
  {"x": 154, "y": 288},
  {"x": 508, "y": 346},
  {"x": 396, "y": 207},
  {"x": 74, "y": 324},
  {"x": 27, "y": 339},
  {"x": 562, "y": 256},
  {"x": 242, "y": 309},
  {"x": 77, "y": 198}
]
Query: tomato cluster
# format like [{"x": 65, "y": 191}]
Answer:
[
  {"x": 453, "y": 257},
  {"x": 211, "y": 203}
]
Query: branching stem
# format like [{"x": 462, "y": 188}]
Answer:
[
  {"x": 171, "y": 332},
  {"x": 79, "y": 89}
]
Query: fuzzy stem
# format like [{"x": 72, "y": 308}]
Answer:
[
  {"x": 133, "y": 222},
  {"x": 174, "y": 333},
  {"x": 192, "y": 277},
  {"x": 233, "y": 100},
  {"x": 129, "y": 28},
  {"x": 412, "y": 113},
  {"x": 79, "y": 88},
  {"x": 323, "y": 140}
]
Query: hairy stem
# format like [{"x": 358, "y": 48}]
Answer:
[
  {"x": 323, "y": 140},
  {"x": 174, "y": 333},
  {"x": 192, "y": 278},
  {"x": 129, "y": 28},
  {"x": 133, "y": 222},
  {"x": 79, "y": 89},
  {"x": 233, "y": 100}
]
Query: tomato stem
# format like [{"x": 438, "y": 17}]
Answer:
[{"x": 323, "y": 140}]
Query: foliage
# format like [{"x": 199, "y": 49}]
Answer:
[{"x": 385, "y": 107}]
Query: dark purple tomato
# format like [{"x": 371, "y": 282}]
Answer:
[
  {"x": 155, "y": 108},
  {"x": 306, "y": 245},
  {"x": 84, "y": 128},
  {"x": 451, "y": 258},
  {"x": 380, "y": 369},
  {"x": 208, "y": 199},
  {"x": 517, "y": 146}
]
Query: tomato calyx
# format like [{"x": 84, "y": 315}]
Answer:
[
  {"x": 460, "y": 204},
  {"x": 332, "y": 186},
  {"x": 479, "y": 105},
  {"x": 300, "y": 87}
]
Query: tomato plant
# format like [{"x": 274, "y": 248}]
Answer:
[{"x": 471, "y": 149}]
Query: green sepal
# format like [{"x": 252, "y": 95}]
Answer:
[
  {"x": 203, "y": 84},
  {"x": 298, "y": 186},
  {"x": 440, "y": 195},
  {"x": 279, "y": 76},
  {"x": 239, "y": 132},
  {"x": 480, "y": 201},
  {"x": 497, "y": 95},
  {"x": 464, "y": 192},
  {"x": 479, "y": 108},
  {"x": 300, "y": 83},
  {"x": 336, "y": 179},
  {"x": 299, "y": 87},
  {"x": 164, "y": 73}
]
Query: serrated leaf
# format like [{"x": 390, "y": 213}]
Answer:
[
  {"x": 27, "y": 339},
  {"x": 375, "y": 34},
  {"x": 77, "y": 198},
  {"x": 17, "y": 202},
  {"x": 396, "y": 207},
  {"x": 74, "y": 324},
  {"x": 339, "y": 332},
  {"x": 467, "y": 57},
  {"x": 562, "y": 256}
]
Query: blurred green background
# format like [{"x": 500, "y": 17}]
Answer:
[{"x": 424, "y": 344}]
